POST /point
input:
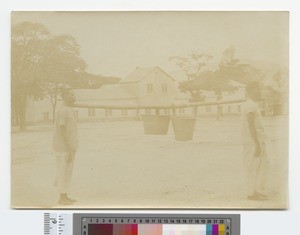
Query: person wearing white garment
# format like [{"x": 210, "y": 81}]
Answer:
[
  {"x": 65, "y": 144},
  {"x": 254, "y": 145}
]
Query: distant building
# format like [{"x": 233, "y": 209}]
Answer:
[
  {"x": 226, "y": 109},
  {"x": 151, "y": 86},
  {"x": 39, "y": 111},
  {"x": 143, "y": 86},
  {"x": 110, "y": 94}
]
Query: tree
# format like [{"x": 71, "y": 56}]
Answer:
[
  {"x": 192, "y": 65},
  {"x": 275, "y": 95},
  {"x": 218, "y": 80},
  {"x": 96, "y": 81},
  {"x": 41, "y": 65},
  {"x": 26, "y": 53},
  {"x": 61, "y": 65},
  {"x": 232, "y": 69},
  {"x": 200, "y": 80}
]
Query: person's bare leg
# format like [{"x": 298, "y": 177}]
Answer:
[
  {"x": 71, "y": 199},
  {"x": 64, "y": 200},
  {"x": 69, "y": 173}
]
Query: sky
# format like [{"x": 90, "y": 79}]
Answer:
[{"x": 115, "y": 43}]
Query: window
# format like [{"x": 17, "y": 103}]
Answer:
[
  {"x": 164, "y": 88},
  {"x": 181, "y": 110},
  {"x": 149, "y": 88},
  {"x": 167, "y": 111},
  {"x": 148, "y": 111},
  {"x": 229, "y": 108},
  {"x": 108, "y": 112},
  {"x": 91, "y": 112},
  {"x": 77, "y": 115},
  {"x": 208, "y": 109},
  {"x": 46, "y": 116},
  {"x": 124, "y": 112}
]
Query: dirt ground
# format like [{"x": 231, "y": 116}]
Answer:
[{"x": 118, "y": 166}]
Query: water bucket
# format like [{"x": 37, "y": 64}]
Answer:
[
  {"x": 156, "y": 124},
  {"x": 183, "y": 128}
]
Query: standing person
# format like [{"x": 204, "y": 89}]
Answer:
[
  {"x": 65, "y": 144},
  {"x": 254, "y": 143}
]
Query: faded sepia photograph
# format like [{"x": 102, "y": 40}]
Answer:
[{"x": 149, "y": 109}]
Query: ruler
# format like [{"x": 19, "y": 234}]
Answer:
[
  {"x": 84, "y": 224},
  {"x": 58, "y": 224}
]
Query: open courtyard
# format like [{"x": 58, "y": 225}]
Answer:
[{"x": 118, "y": 166}]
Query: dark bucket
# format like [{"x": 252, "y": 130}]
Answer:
[
  {"x": 156, "y": 124},
  {"x": 183, "y": 128}
]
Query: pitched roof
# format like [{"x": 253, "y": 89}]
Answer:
[
  {"x": 139, "y": 73},
  {"x": 115, "y": 91},
  {"x": 87, "y": 94},
  {"x": 181, "y": 95},
  {"x": 109, "y": 91}
]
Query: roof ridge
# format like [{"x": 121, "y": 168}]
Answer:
[
  {"x": 131, "y": 77},
  {"x": 150, "y": 70}
]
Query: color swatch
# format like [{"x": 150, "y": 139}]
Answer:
[{"x": 156, "y": 229}]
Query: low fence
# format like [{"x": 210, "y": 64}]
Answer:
[
  {"x": 158, "y": 124},
  {"x": 172, "y": 107}
]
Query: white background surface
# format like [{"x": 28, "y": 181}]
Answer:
[{"x": 253, "y": 222}]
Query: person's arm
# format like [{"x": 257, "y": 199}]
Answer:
[
  {"x": 62, "y": 120},
  {"x": 63, "y": 131},
  {"x": 253, "y": 133},
  {"x": 66, "y": 142}
]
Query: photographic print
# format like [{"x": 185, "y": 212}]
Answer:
[{"x": 149, "y": 109}]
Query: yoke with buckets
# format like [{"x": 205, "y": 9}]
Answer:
[
  {"x": 183, "y": 126},
  {"x": 157, "y": 124}
]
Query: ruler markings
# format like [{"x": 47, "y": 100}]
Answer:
[{"x": 62, "y": 224}]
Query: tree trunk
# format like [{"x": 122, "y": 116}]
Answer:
[
  {"x": 195, "y": 112},
  {"x": 54, "y": 103},
  {"x": 219, "y": 107},
  {"x": 218, "y": 112},
  {"x": 22, "y": 122},
  {"x": 22, "y": 114},
  {"x": 14, "y": 114},
  {"x": 53, "y": 113},
  {"x": 54, "y": 109}
]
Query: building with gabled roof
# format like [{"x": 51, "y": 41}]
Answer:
[
  {"x": 150, "y": 86},
  {"x": 142, "y": 73},
  {"x": 109, "y": 94},
  {"x": 143, "y": 86}
]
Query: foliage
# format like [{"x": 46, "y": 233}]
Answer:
[
  {"x": 26, "y": 54},
  {"x": 41, "y": 64},
  {"x": 219, "y": 80},
  {"x": 192, "y": 64},
  {"x": 61, "y": 65},
  {"x": 275, "y": 96},
  {"x": 96, "y": 81},
  {"x": 230, "y": 68}
]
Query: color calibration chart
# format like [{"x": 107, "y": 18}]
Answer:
[{"x": 158, "y": 224}]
